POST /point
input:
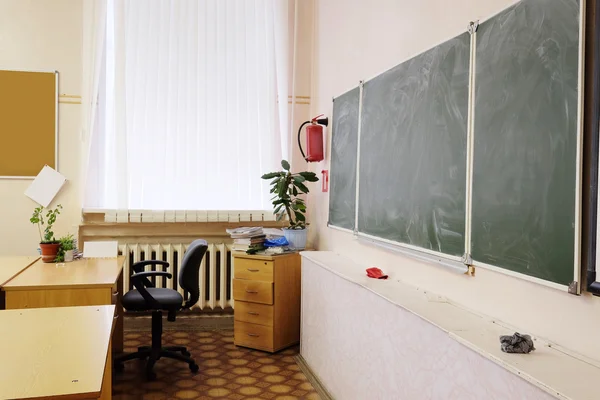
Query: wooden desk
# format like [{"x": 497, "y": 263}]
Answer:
[
  {"x": 11, "y": 267},
  {"x": 87, "y": 282},
  {"x": 56, "y": 353}
]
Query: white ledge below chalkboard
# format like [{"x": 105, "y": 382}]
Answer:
[{"x": 552, "y": 370}]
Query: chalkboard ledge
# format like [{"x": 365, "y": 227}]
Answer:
[{"x": 543, "y": 368}]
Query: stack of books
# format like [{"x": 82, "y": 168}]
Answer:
[{"x": 247, "y": 238}]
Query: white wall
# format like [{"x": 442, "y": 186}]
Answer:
[
  {"x": 357, "y": 40},
  {"x": 362, "y": 346},
  {"x": 43, "y": 35}
]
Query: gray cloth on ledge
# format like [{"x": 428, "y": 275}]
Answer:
[{"x": 516, "y": 343}]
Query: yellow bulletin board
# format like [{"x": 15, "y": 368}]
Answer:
[{"x": 28, "y": 122}]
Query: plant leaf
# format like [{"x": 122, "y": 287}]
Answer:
[
  {"x": 301, "y": 186},
  {"x": 299, "y": 178},
  {"x": 299, "y": 216},
  {"x": 270, "y": 175},
  {"x": 285, "y": 165},
  {"x": 309, "y": 176}
]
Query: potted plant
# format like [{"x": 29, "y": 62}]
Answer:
[
  {"x": 48, "y": 244},
  {"x": 286, "y": 187},
  {"x": 65, "y": 250}
]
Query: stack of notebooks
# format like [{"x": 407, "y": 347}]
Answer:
[{"x": 247, "y": 238}]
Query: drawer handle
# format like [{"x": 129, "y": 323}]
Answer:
[
  {"x": 252, "y": 313},
  {"x": 252, "y": 269},
  {"x": 251, "y": 291},
  {"x": 252, "y": 335}
]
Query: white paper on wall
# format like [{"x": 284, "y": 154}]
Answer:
[{"x": 45, "y": 186}]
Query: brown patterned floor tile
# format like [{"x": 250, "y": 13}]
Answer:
[{"x": 226, "y": 371}]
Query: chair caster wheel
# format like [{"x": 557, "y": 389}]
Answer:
[
  {"x": 186, "y": 353},
  {"x": 194, "y": 368}
]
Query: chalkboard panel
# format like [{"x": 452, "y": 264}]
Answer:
[
  {"x": 525, "y": 124},
  {"x": 413, "y": 150},
  {"x": 344, "y": 145}
]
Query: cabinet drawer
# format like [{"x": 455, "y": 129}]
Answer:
[
  {"x": 255, "y": 313},
  {"x": 254, "y": 291},
  {"x": 253, "y": 335},
  {"x": 256, "y": 270}
]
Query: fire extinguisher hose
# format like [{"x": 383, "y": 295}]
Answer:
[{"x": 299, "y": 142}]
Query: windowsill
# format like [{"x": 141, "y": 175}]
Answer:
[
  {"x": 95, "y": 227},
  {"x": 101, "y": 216}
]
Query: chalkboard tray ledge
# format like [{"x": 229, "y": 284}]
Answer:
[
  {"x": 338, "y": 228},
  {"x": 429, "y": 256},
  {"x": 553, "y": 285}
]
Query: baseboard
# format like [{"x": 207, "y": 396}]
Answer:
[{"x": 313, "y": 379}]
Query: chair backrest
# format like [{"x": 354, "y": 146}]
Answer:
[{"x": 190, "y": 269}]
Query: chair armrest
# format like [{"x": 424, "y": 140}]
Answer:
[
  {"x": 139, "y": 266},
  {"x": 146, "y": 274},
  {"x": 142, "y": 277},
  {"x": 141, "y": 282}
]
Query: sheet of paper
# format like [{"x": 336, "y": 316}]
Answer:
[
  {"x": 104, "y": 249},
  {"x": 45, "y": 186}
]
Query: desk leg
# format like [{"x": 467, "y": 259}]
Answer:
[{"x": 117, "y": 339}]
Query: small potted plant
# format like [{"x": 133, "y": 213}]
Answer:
[
  {"x": 48, "y": 244},
  {"x": 286, "y": 187},
  {"x": 65, "y": 250}
]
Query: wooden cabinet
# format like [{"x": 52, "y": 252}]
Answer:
[{"x": 266, "y": 290}]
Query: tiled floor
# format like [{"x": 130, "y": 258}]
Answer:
[{"x": 226, "y": 371}]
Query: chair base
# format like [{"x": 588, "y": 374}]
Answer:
[{"x": 156, "y": 351}]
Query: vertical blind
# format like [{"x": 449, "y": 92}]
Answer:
[{"x": 189, "y": 117}]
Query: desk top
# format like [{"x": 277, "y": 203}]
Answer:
[
  {"x": 12, "y": 266},
  {"x": 84, "y": 273},
  {"x": 52, "y": 352}
]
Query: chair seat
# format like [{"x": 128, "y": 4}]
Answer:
[{"x": 169, "y": 299}]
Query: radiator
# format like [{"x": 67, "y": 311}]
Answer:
[{"x": 215, "y": 277}]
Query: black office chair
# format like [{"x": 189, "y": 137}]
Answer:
[{"x": 146, "y": 297}]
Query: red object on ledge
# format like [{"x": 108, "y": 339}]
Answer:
[{"x": 376, "y": 273}]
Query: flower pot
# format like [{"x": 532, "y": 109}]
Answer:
[
  {"x": 49, "y": 251},
  {"x": 296, "y": 237},
  {"x": 68, "y": 255}
]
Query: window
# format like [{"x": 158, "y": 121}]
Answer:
[{"x": 188, "y": 116}]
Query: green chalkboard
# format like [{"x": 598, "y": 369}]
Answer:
[
  {"x": 344, "y": 147},
  {"x": 525, "y": 143},
  {"x": 412, "y": 170}
]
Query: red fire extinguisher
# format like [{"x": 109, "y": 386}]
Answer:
[{"x": 314, "y": 138}]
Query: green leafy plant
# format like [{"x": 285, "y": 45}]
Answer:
[
  {"x": 66, "y": 243},
  {"x": 286, "y": 187},
  {"x": 38, "y": 218}
]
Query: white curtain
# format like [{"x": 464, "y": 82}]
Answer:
[
  {"x": 191, "y": 112},
  {"x": 94, "y": 43}
]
